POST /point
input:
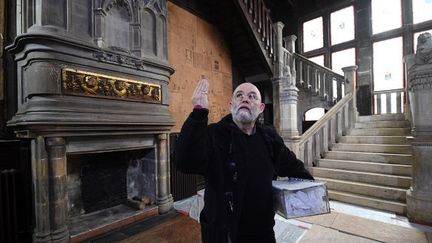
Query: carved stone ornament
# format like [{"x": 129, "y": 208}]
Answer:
[
  {"x": 424, "y": 49},
  {"x": 158, "y": 6},
  {"x": 421, "y": 81},
  {"x": 118, "y": 3},
  {"x": 289, "y": 95},
  {"x": 75, "y": 82},
  {"x": 119, "y": 59}
]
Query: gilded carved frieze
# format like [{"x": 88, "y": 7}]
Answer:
[{"x": 76, "y": 82}]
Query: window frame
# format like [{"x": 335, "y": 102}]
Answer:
[{"x": 328, "y": 49}]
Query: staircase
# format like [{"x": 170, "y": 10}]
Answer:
[
  {"x": 247, "y": 29},
  {"x": 371, "y": 166}
]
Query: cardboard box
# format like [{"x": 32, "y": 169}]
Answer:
[{"x": 295, "y": 198}]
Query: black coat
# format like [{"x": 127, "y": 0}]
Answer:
[{"x": 206, "y": 150}]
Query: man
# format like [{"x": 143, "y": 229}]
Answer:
[{"x": 239, "y": 159}]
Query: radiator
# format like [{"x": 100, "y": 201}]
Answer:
[
  {"x": 8, "y": 213},
  {"x": 182, "y": 185}
]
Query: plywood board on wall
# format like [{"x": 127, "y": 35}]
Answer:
[{"x": 196, "y": 50}]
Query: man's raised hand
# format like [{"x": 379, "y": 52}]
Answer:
[{"x": 199, "y": 97}]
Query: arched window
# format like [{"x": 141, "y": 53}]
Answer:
[{"x": 314, "y": 114}]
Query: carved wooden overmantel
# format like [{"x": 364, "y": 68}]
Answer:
[{"x": 91, "y": 72}]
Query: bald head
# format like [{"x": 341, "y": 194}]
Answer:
[
  {"x": 247, "y": 88},
  {"x": 246, "y": 104}
]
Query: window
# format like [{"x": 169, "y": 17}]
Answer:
[
  {"x": 386, "y": 15},
  {"x": 387, "y": 64},
  {"x": 422, "y": 10},
  {"x": 313, "y": 34},
  {"x": 314, "y": 114},
  {"x": 342, "y": 59},
  {"x": 342, "y": 25},
  {"x": 416, "y": 35},
  {"x": 318, "y": 60}
]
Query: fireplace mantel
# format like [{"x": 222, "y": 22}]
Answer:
[{"x": 90, "y": 77}]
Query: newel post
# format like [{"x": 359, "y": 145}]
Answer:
[
  {"x": 285, "y": 92},
  {"x": 419, "y": 196},
  {"x": 290, "y": 43},
  {"x": 350, "y": 77}
]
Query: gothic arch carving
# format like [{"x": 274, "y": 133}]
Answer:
[
  {"x": 153, "y": 25},
  {"x": 162, "y": 35},
  {"x": 148, "y": 33},
  {"x": 114, "y": 21},
  {"x": 136, "y": 27}
]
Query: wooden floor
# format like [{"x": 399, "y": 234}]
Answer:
[
  {"x": 172, "y": 227},
  {"x": 328, "y": 228},
  {"x": 181, "y": 229}
]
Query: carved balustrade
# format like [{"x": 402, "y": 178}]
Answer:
[
  {"x": 317, "y": 79},
  {"x": 317, "y": 140},
  {"x": 258, "y": 17},
  {"x": 389, "y": 101}
]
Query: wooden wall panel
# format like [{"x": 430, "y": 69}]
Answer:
[{"x": 196, "y": 50}]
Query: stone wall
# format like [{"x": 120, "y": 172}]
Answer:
[{"x": 196, "y": 50}]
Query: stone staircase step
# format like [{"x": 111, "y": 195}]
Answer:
[
  {"x": 366, "y": 201},
  {"x": 384, "y": 168},
  {"x": 393, "y": 131},
  {"x": 375, "y": 148},
  {"x": 366, "y": 177},
  {"x": 382, "y": 192},
  {"x": 405, "y": 159},
  {"x": 374, "y": 139},
  {"x": 383, "y": 117},
  {"x": 371, "y": 166},
  {"x": 381, "y": 124}
]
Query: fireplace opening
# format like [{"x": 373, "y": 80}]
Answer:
[
  {"x": 110, "y": 187},
  {"x": 103, "y": 181}
]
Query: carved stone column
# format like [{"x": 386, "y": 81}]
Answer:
[
  {"x": 57, "y": 189},
  {"x": 288, "y": 98},
  {"x": 279, "y": 65},
  {"x": 290, "y": 43},
  {"x": 419, "y": 196},
  {"x": 350, "y": 76},
  {"x": 284, "y": 91},
  {"x": 39, "y": 167},
  {"x": 164, "y": 198},
  {"x": 49, "y": 185}
]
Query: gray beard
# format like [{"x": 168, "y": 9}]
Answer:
[{"x": 244, "y": 117}]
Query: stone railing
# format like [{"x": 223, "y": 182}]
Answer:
[
  {"x": 317, "y": 140},
  {"x": 309, "y": 76},
  {"x": 292, "y": 72},
  {"x": 317, "y": 79},
  {"x": 389, "y": 101},
  {"x": 258, "y": 17}
]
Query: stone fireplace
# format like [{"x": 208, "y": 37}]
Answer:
[
  {"x": 97, "y": 181},
  {"x": 91, "y": 81}
]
